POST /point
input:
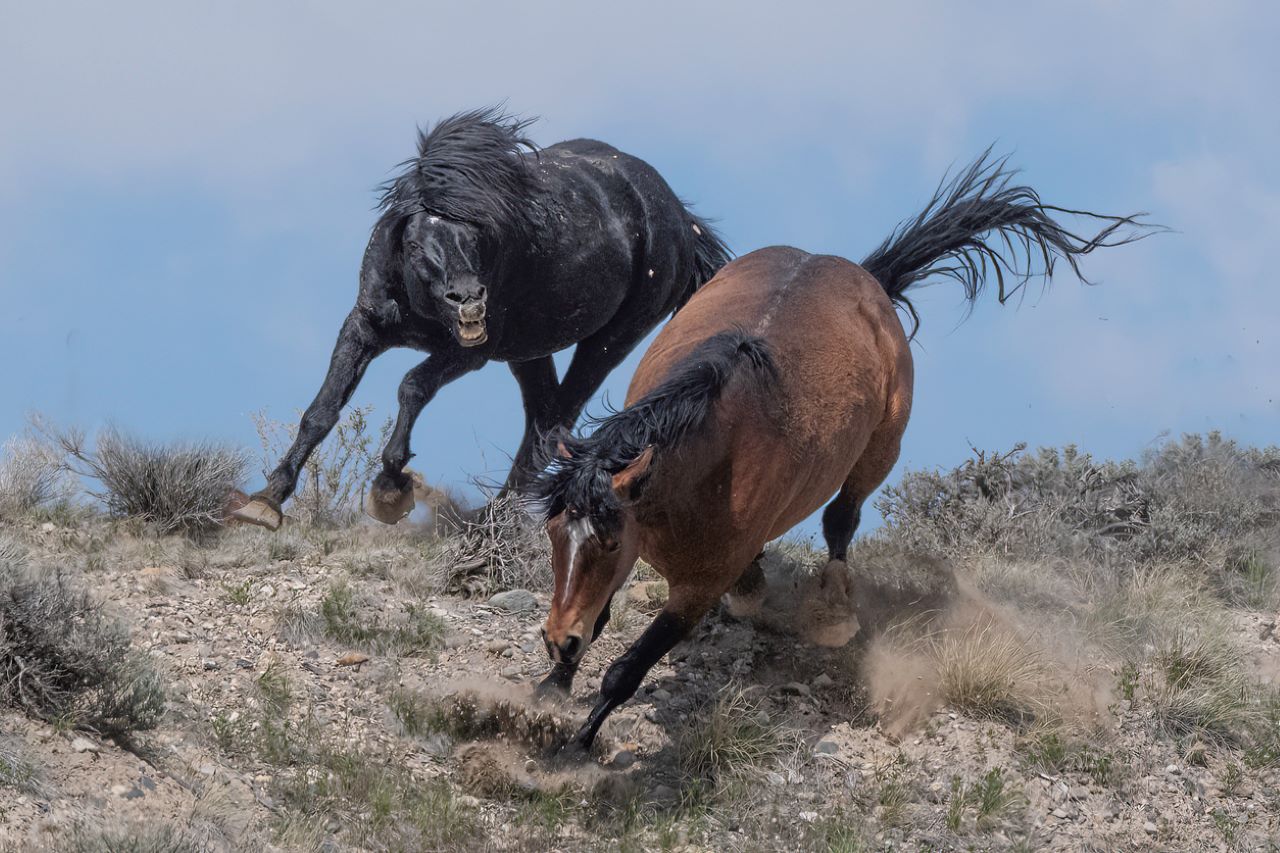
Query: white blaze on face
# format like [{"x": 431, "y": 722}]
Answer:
[{"x": 577, "y": 531}]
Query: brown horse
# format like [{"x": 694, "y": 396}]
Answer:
[{"x": 786, "y": 379}]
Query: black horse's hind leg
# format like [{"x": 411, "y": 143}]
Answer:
[
  {"x": 559, "y": 681},
  {"x": 391, "y": 495},
  {"x": 593, "y": 360},
  {"x": 539, "y": 389},
  {"x": 358, "y": 344},
  {"x": 840, "y": 521}
]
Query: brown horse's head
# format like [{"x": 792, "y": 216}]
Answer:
[{"x": 593, "y": 549}]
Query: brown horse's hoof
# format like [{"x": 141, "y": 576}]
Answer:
[
  {"x": 260, "y": 511},
  {"x": 389, "y": 499}
]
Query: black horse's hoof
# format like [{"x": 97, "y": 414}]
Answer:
[
  {"x": 260, "y": 510},
  {"x": 390, "y": 498}
]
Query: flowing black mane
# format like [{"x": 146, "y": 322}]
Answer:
[
  {"x": 470, "y": 167},
  {"x": 581, "y": 481}
]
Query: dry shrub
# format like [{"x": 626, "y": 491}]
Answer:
[
  {"x": 172, "y": 487},
  {"x": 1188, "y": 500},
  {"x": 32, "y": 475},
  {"x": 1197, "y": 683},
  {"x": 332, "y": 482},
  {"x": 500, "y": 547},
  {"x": 63, "y": 660}
]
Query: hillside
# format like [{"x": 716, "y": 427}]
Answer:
[{"x": 1056, "y": 653}]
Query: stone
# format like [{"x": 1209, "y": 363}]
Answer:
[
  {"x": 1149, "y": 828},
  {"x": 352, "y": 659},
  {"x": 495, "y": 646},
  {"x": 81, "y": 744},
  {"x": 823, "y": 680},
  {"x": 623, "y": 759},
  {"x": 795, "y": 688},
  {"x": 827, "y": 747},
  {"x": 514, "y": 601}
]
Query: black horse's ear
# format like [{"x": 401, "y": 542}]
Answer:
[{"x": 626, "y": 482}]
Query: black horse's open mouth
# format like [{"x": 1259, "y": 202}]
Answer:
[{"x": 472, "y": 333}]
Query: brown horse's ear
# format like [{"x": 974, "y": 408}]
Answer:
[{"x": 625, "y": 481}]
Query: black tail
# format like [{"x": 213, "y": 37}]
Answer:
[
  {"x": 580, "y": 476},
  {"x": 950, "y": 236},
  {"x": 710, "y": 253}
]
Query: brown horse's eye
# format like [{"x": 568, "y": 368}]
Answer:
[{"x": 611, "y": 545}]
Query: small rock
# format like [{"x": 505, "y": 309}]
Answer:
[
  {"x": 512, "y": 672},
  {"x": 808, "y": 817},
  {"x": 775, "y": 778},
  {"x": 1172, "y": 770},
  {"x": 119, "y": 790},
  {"x": 795, "y": 688},
  {"x": 1079, "y": 792},
  {"x": 495, "y": 646},
  {"x": 81, "y": 744},
  {"x": 823, "y": 680},
  {"x": 1059, "y": 813},
  {"x": 514, "y": 601},
  {"x": 1267, "y": 629},
  {"x": 508, "y": 652},
  {"x": 207, "y": 770},
  {"x": 827, "y": 747},
  {"x": 1149, "y": 828},
  {"x": 210, "y": 665},
  {"x": 352, "y": 659},
  {"x": 661, "y": 695},
  {"x": 623, "y": 759},
  {"x": 664, "y": 792},
  {"x": 47, "y": 527}
]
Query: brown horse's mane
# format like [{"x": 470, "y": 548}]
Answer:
[{"x": 579, "y": 478}]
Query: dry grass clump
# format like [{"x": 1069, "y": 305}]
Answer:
[
  {"x": 139, "y": 838},
  {"x": 343, "y": 619},
  {"x": 988, "y": 670},
  {"x": 1197, "y": 684},
  {"x": 63, "y": 660},
  {"x": 730, "y": 737},
  {"x": 172, "y": 487},
  {"x": 333, "y": 480},
  {"x": 32, "y": 475},
  {"x": 500, "y": 548}
]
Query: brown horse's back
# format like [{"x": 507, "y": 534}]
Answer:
[{"x": 835, "y": 414}]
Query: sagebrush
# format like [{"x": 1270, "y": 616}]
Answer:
[
  {"x": 64, "y": 660},
  {"x": 172, "y": 487}
]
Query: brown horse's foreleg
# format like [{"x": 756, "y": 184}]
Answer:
[
  {"x": 559, "y": 682},
  {"x": 623, "y": 677}
]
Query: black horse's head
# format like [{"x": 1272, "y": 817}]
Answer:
[
  {"x": 442, "y": 275},
  {"x": 462, "y": 199}
]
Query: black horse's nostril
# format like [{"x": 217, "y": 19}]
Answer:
[
  {"x": 454, "y": 296},
  {"x": 569, "y": 649},
  {"x": 480, "y": 291}
]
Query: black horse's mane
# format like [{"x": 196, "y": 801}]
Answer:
[
  {"x": 579, "y": 478},
  {"x": 471, "y": 167}
]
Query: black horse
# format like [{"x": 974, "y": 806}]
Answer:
[{"x": 489, "y": 248}]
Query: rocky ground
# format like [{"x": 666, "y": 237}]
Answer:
[{"x": 325, "y": 693}]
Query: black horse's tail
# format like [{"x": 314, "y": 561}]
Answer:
[
  {"x": 579, "y": 477},
  {"x": 955, "y": 236},
  {"x": 710, "y": 253}
]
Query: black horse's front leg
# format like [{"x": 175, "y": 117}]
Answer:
[
  {"x": 391, "y": 495},
  {"x": 623, "y": 678},
  {"x": 358, "y": 343}
]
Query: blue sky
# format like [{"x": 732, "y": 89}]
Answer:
[{"x": 185, "y": 191}]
